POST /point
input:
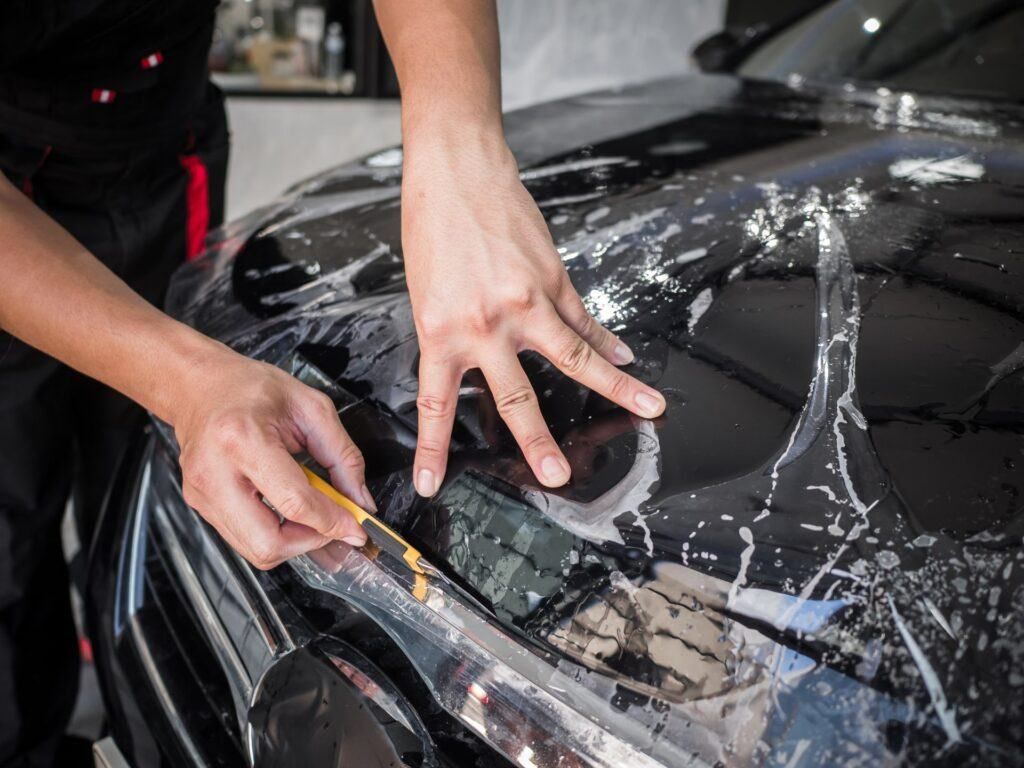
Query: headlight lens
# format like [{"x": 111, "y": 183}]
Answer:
[{"x": 534, "y": 713}]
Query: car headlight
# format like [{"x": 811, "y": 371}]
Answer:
[
  {"x": 528, "y": 708},
  {"x": 532, "y": 712}
]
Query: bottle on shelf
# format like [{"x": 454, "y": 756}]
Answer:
[{"x": 334, "y": 52}]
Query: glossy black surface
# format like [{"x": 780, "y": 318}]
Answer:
[
  {"x": 307, "y": 713},
  {"x": 818, "y": 549},
  {"x": 159, "y": 646},
  {"x": 205, "y": 663},
  {"x": 962, "y": 47}
]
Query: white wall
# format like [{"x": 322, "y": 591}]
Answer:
[
  {"x": 550, "y": 49},
  {"x": 554, "y": 48},
  {"x": 277, "y": 142}
]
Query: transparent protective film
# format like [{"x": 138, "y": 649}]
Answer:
[
  {"x": 814, "y": 556},
  {"x": 490, "y": 682}
]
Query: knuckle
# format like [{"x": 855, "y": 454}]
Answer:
[
  {"x": 431, "y": 407},
  {"x": 535, "y": 443},
  {"x": 341, "y": 526},
  {"x": 352, "y": 457},
  {"x": 231, "y": 432},
  {"x": 585, "y": 324},
  {"x": 512, "y": 402},
  {"x": 575, "y": 358},
  {"x": 519, "y": 299},
  {"x": 323, "y": 405},
  {"x": 619, "y": 387},
  {"x": 263, "y": 553},
  {"x": 433, "y": 324},
  {"x": 429, "y": 449},
  {"x": 264, "y": 564},
  {"x": 588, "y": 328},
  {"x": 484, "y": 320},
  {"x": 295, "y": 504}
]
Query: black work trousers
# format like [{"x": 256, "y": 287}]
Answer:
[{"x": 140, "y": 212}]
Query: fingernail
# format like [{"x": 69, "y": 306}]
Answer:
[
  {"x": 355, "y": 541},
  {"x": 426, "y": 483},
  {"x": 622, "y": 354},
  {"x": 648, "y": 404},
  {"x": 554, "y": 470},
  {"x": 368, "y": 502}
]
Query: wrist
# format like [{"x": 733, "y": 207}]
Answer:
[
  {"x": 185, "y": 371},
  {"x": 455, "y": 143}
]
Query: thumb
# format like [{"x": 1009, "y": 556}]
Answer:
[{"x": 327, "y": 441}]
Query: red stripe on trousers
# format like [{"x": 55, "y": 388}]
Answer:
[{"x": 197, "y": 205}]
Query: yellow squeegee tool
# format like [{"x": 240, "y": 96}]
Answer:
[{"x": 382, "y": 535}]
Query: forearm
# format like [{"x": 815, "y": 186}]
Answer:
[
  {"x": 471, "y": 230},
  {"x": 446, "y": 54},
  {"x": 57, "y": 297}
]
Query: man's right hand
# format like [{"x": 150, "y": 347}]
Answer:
[
  {"x": 485, "y": 280},
  {"x": 238, "y": 421},
  {"x": 237, "y": 434}
]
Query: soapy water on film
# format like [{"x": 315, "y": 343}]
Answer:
[
  {"x": 828, "y": 455},
  {"x": 826, "y": 464}
]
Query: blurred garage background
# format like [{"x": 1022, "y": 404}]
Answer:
[
  {"x": 309, "y": 83},
  {"x": 294, "y": 111}
]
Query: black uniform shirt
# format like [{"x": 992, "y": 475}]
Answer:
[{"x": 87, "y": 74}]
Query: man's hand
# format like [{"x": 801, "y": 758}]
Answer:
[
  {"x": 485, "y": 279},
  {"x": 487, "y": 283},
  {"x": 238, "y": 421},
  {"x": 237, "y": 435}
]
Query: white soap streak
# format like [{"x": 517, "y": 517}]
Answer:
[
  {"x": 824, "y": 489},
  {"x": 570, "y": 167},
  {"x": 798, "y": 753},
  {"x": 1010, "y": 364},
  {"x": 601, "y": 305},
  {"x": 835, "y": 357},
  {"x": 642, "y": 524},
  {"x": 939, "y": 618},
  {"x": 961, "y": 124},
  {"x": 594, "y": 245},
  {"x": 845, "y": 575},
  {"x": 745, "y": 556},
  {"x": 832, "y": 247},
  {"x": 936, "y": 170},
  {"x": 677, "y": 148},
  {"x": 688, "y": 256},
  {"x": 698, "y": 307},
  {"x": 331, "y": 286},
  {"x": 946, "y": 715},
  {"x": 671, "y": 230},
  {"x": 839, "y": 322},
  {"x": 595, "y": 520},
  {"x": 318, "y": 207},
  {"x": 553, "y": 202},
  {"x": 767, "y": 509},
  {"x": 388, "y": 158}
]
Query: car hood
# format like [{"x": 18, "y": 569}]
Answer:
[{"x": 821, "y": 539}]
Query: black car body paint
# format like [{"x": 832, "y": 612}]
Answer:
[{"x": 818, "y": 547}]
